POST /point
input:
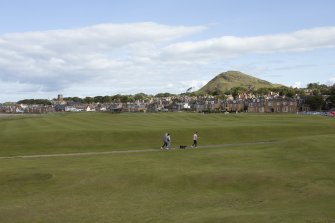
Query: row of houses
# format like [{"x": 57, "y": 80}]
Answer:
[
  {"x": 278, "y": 105},
  {"x": 20, "y": 108},
  {"x": 208, "y": 104}
]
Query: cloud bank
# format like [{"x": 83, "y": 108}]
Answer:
[
  {"x": 231, "y": 46},
  {"x": 128, "y": 58}
]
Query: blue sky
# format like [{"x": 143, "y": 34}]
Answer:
[{"x": 99, "y": 47}]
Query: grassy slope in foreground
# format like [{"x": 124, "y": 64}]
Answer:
[
  {"x": 291, "y": 181},
  {"x": 89, "y": 132}
]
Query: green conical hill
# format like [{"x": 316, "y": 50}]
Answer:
[{"x": 230, "y": 79}]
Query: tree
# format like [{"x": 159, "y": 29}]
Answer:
[
  {"x": 312, "y": 86},
  {"x": 106, "y": 99},
  {"x": 217, "y": 92},
  {"x": 286, "y": 91},
  {"x": 88, "y": 100},
  {"x": 98, "y": 99},
  {"x": 160, "y": 95},
  {"x": 35, "y": 102},
  {"x": 222, "y": 97},
  {"x": 300, "y": 92},
  {"x": 263, "y": 91},
  {"x": 315, "y": 102},
  {"x": 319, "y": 88},
  {"x": 74, "y": 99},
  {"x": 236, "y": 91},
  {"x": 130, "y": 98},
  {"x": 126, "y": 98},
  {"x": 331, "y": 99},
  {"x": 116, "y": 98},
  {"x": 140, "y": 96}
]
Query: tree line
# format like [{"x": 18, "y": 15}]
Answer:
[
  {"x": 117, "y": 98},
  {"x": 35, "y": 102},
  {"x": 316, "y": 96},
  {"x": 322, "y": 97}
]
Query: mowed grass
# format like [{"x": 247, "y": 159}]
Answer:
[
  {"x": 89, "y": 132},
  {"x": 291, "y": 180}
]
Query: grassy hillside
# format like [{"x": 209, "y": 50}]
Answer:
[
  {"x": 83, "y": 132},
  {"x": 227, "y": 80},
  {"x": 291, "y": 180}
]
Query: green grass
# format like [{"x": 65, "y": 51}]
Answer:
[
  {"x": 83, "y": 132},
  {"x": 292, "y": 180}
]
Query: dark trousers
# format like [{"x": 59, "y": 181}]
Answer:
[{"x": 195, "y": 143}]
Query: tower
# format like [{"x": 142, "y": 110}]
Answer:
[{"x": 60, "y": 98}]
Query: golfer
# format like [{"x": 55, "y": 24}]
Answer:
[
  {"x": 195, "y": 140},
  {"x": 166, "y": 138}
]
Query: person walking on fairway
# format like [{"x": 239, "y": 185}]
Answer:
[
  {"x": 195, "y": 140},
  {"x": 165, "y": 141},
  {"x": 168, "y": 139}
]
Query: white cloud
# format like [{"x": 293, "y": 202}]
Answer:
[
  {"x": 231, "y": 46},
  {"x": 297, "y": 84},
  {"x": 331, "y": 81},
  {"x": 135, "y": 57},
  {"x": 193, "y": 84},
  {"x": 11, "y": 91},
  {"x": 96, "y": 55}
]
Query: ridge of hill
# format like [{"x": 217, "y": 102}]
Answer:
[{"x": 230, "y": 79}]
